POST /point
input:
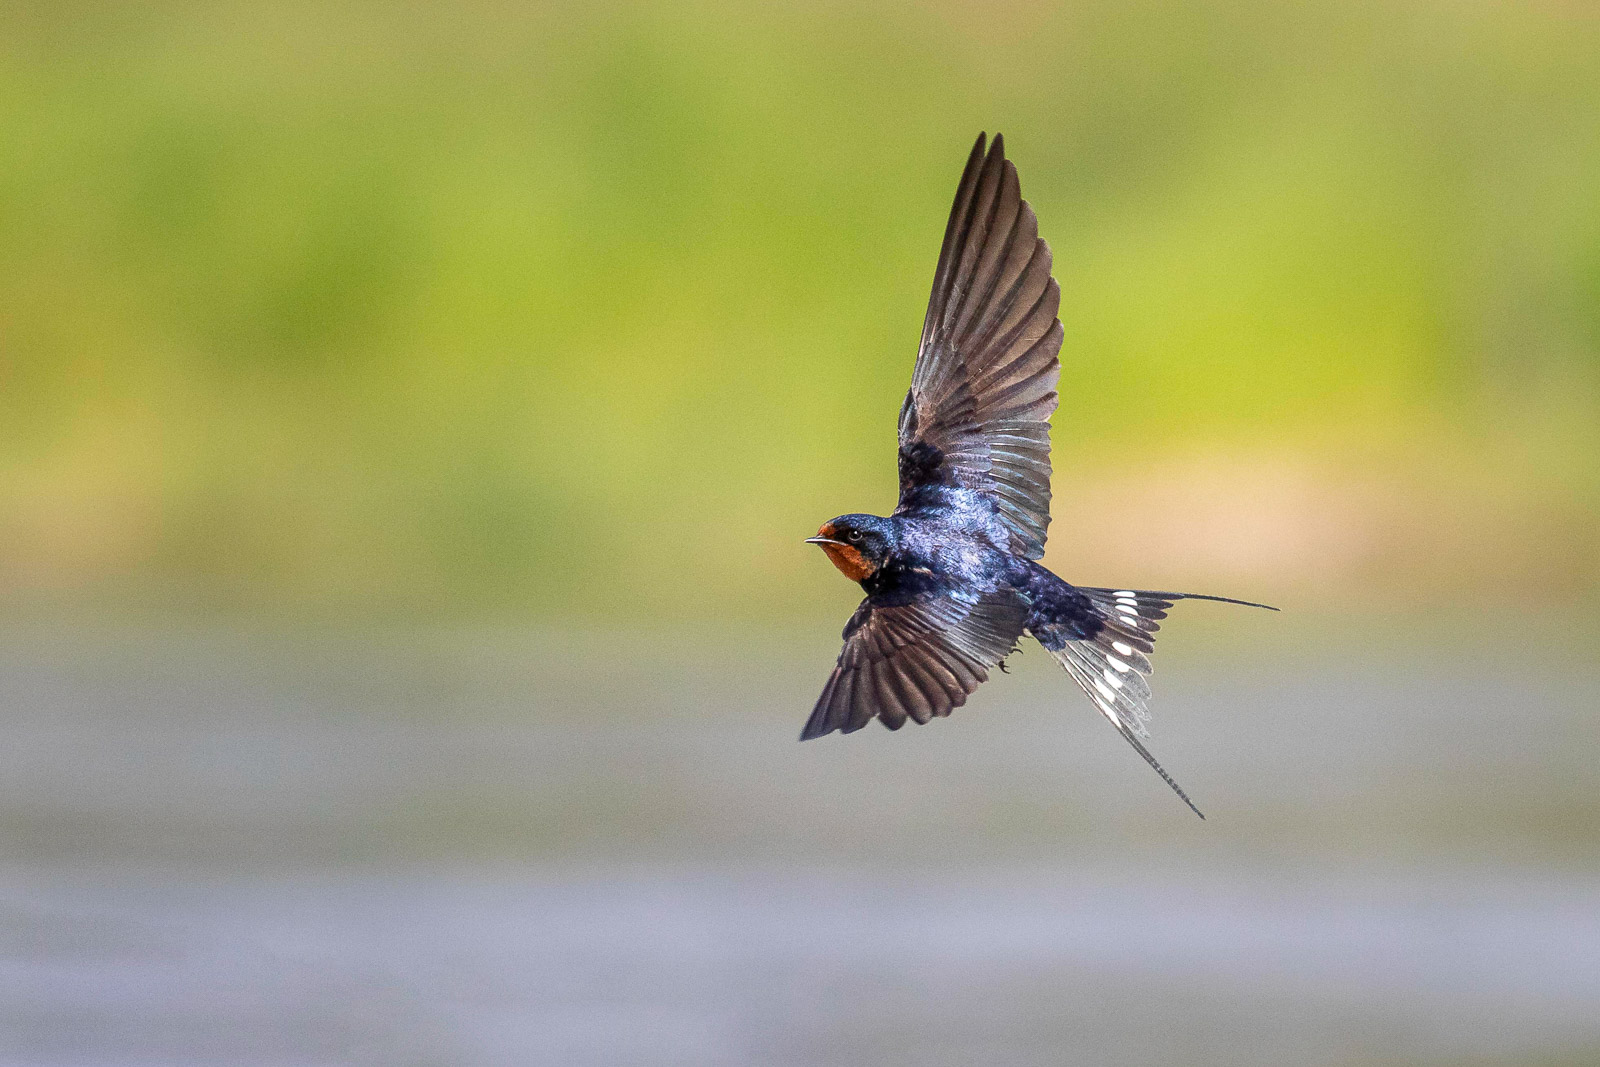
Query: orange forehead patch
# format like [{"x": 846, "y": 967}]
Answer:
[
  {"x": 826, "y": 531},
  {"x": 847, "y": 559}
]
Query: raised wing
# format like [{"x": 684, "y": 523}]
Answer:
[
  {"x": 915, "y": 660},
  {"x": 977, "y": 414}
]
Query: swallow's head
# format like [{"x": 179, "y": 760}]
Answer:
[{"x": 857, "y": 544}]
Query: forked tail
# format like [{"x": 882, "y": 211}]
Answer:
[{"x": 1112, "y": 664}]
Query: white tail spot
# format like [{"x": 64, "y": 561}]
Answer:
[
  {"x": 1118, "y": 664},
  {"x": 1123, "y": 647},
  {"x": 1116, "y": 683}
]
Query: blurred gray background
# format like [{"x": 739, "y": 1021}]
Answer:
[{"x": 506, "y": 847}]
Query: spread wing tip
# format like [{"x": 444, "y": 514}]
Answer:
[
  {"x": 915, "y": 661},
  {"x": 985, "y": 381}
]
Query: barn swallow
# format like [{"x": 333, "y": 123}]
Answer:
[{"x": 952, "y": 576}]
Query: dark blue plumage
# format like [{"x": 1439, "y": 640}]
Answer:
[{"x": 951, "y": 576}]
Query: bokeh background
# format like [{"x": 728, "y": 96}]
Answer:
[{"x": 410, "y": 414}]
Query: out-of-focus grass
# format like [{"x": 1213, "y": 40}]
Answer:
[{"x": 376, "y": 308}]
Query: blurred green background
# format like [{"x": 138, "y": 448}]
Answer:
[
  {"x": 557, "y": 312},
  {"x": 410, "y": 415}
]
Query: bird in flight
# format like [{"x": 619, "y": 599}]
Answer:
[{"x": 952, "y": 576}]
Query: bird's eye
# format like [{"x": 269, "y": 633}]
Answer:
[{"x": 854, "y": 535}]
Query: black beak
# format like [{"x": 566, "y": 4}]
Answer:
[{"x": 820, "y": 540}]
